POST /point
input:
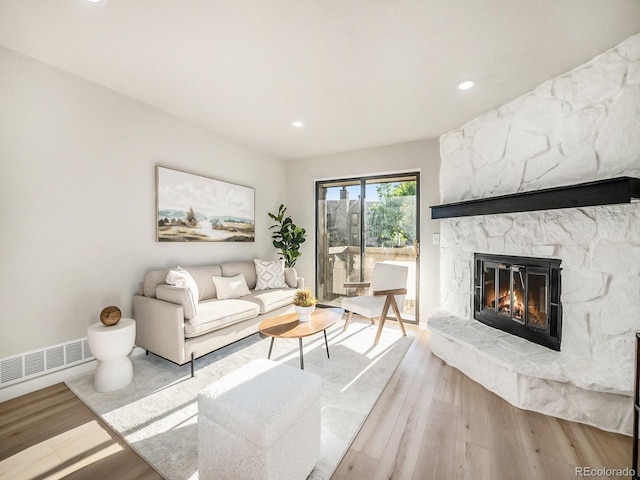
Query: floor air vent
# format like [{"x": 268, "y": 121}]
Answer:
[{"x": 46, "y": 360}]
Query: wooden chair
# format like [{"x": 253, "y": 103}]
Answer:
[{"x": 387, "y": 289}]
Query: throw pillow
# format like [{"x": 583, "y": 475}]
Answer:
[
  {"x": 269, "y": 274},
  {"x": 179, "y": 277},
  {"x": 231, "y": 287}
]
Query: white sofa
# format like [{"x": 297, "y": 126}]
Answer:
[{"x": 171, "y": 326}]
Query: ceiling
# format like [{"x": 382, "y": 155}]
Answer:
[{"x": 358, "y": 73}]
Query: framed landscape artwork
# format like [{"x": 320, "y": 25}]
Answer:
[{"x": 192, "y": 208}]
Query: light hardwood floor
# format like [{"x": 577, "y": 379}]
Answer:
[
  {"x": 51, "y": 434},
  {"x": 431, "y": 422}
]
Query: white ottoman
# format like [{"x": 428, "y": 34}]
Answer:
[{"x": 261, "y": 421}]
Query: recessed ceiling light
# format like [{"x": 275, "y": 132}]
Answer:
[
  {"x": 297, "y": 124},
  {"x": 466, "y": 85},
  {"x": 95, "y": 1}
]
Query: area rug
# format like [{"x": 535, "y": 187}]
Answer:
[{"x": 157, "y": 413}]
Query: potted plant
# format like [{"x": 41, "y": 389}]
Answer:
[
  {"x": 287, "y": 237},
  {"x": 304, "y": 303}
]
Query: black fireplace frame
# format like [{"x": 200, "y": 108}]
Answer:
[{"x": 550, "y": 337}]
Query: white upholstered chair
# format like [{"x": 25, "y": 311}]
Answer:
[{"x": 387, "y": 289}]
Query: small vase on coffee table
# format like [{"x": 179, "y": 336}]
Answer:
[{"x": 304, "y": 313}]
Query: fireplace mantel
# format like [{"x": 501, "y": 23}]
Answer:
[{"x": 601, "y": 192}]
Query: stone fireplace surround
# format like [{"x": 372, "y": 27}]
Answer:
[{"x": 579, "y": 127}]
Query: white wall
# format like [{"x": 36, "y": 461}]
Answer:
[
  {"x": 77, "y": 199},
  {"x": 420, "y": 156}
]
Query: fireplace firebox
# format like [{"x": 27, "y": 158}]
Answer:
[{"x": 519, "y": 295}]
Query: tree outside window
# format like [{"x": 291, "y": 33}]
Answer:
[{"x": 391, "y": 220}]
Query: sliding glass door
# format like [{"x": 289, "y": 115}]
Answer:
[{"x": 363, "y": 221}]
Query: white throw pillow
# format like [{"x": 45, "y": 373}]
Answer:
[
  {"x": 269, "y": 274},
  {"x": 179, "y": 277},
  {"x": 230, "y": 287}
]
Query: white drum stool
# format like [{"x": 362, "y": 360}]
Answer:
[
  {"x": 111, "y": 347},
  {"x": 261, "y": 421}
]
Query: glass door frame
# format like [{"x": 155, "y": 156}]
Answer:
[{"x": 364, "y": 180}]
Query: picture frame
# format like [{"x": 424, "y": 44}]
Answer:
[{"x": 195, "y": 208}]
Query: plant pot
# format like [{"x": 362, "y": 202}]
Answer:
[{"x": 304, "y": 312}]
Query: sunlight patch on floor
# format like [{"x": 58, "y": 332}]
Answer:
[{"x": 61, "y": 455}]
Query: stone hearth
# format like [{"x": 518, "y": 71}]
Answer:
[
  {"x": 531, "y": 376},
  {"x": 579, "y": 127}
]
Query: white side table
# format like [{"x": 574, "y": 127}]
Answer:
[{"x": 111, "y": 347}]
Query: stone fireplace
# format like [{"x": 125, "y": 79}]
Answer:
[{"x": 579, "y": 127}]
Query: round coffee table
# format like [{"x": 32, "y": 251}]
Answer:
[{"x": 290, "y": 326}]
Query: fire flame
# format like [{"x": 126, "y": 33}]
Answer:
[{"x": 504, "y": 305}]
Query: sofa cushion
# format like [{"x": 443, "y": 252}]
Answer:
[
  {"x": 248, "y": 269},
  {"x": 153, "y": 278},
  {"x": 291, "y": 277},
  {"x": 178, "y": 295},
  {"x": 202, "y": 276},
  {"x": 216, "y": 314},
  {"x": 269, "y": 300},
  {"x": 181, "y": 278},
  {"x": 269, "y": 274},
  {"x": 230, "y": 287}
]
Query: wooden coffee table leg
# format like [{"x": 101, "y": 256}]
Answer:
[
  {"x": 271, "y": 347},
  {"x": 301, "y": 358},
  {"x": 326, "y": 342}
]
